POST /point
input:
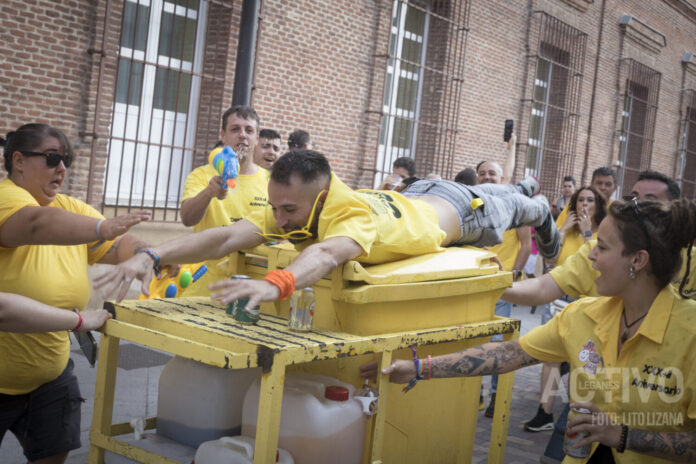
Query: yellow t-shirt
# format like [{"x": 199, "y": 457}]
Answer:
[
  {"x": 386, "y": 225},
  {"x": 52, "y": 274},
  {"x": 650, "y": 386},
  {"x": 508, "y": 249},
  {"x": 572, "y": 243},
  {"x": 562, "y": 216},
  {"x": 250, "y": 194}
]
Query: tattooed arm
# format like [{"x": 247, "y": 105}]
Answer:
[
  {"x": 674, "y": 446},
  {"x": 486, "y": 359}
]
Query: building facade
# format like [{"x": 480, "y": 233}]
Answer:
[{"x": 139, "y": 86}]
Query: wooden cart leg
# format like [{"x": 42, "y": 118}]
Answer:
[
  {"x": 103, "y": 396},
  {"x": 378, "y": 434},
  {"x": 268, "y": 420},
  {"x": 501, "y": 416}
]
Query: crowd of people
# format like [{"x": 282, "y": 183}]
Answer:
[{"x": 618, "y": 263}]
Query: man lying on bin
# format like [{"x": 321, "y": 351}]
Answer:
[{"x": 331, "y": 224}]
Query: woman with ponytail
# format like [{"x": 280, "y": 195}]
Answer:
[
  {"x": 631, "y": 350},
  {"x": 47, "y": 241}
]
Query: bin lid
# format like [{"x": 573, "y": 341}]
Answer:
[{"x": 452, "y": 263}]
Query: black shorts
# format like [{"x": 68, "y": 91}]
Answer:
[{"x": 46, "y": 421}]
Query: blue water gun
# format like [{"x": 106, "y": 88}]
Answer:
[{"x": 225, "y": 162}]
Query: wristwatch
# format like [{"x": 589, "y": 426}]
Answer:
[
  {"x": 587, "y": 233},
  {"x": 516, "y": 274}
]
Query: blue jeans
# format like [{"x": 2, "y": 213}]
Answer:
[
  {"x": 504, "y": 207},
  {"x": 502, "y": 308},
  {"x": 554, "y": 448}
]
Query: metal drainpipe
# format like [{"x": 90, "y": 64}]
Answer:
[
  {"x": 97, "y": 103},
  {"x": 594, "y": 92},
  {"x": 246, "y": 53}
]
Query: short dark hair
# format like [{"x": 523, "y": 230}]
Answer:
[
  {"x": 569, "y": 179},
  {"x": 269, "y": 134},
  {"x": 29, "y": 137},
  {"x": 407, "y": 163},
  {"x": 308, "y": 165},
  {"x": 466, "y": 176},
  {"x": 243, "y": 111},
  {"x": 673, "y": 190},
  {"x": 603, "y": 171},
  {"x": 298, "y": 139}
]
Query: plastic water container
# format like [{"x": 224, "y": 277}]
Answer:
[
  {"x": 158, "y": 444},
  {"x": 197, "y": 402},
  {"x": 233, "y": 450},
  {"x": 320, "y": 422}
]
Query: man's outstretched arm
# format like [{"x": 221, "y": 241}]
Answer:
[
  {"x": 208, "y": 244},
  {"x": 312, "y": 264}
]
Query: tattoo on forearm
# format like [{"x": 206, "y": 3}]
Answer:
[
  {"x": 487, "y": 359},
  {"x": 114, "y": 248},
  {"x": 679, "y": 446}
]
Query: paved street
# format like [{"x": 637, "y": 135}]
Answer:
[{"x": 136, "y": 396}]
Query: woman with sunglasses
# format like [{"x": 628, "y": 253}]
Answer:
[
  {"x": 47, "y": 241},
  {"x": 631, "y": 351}
]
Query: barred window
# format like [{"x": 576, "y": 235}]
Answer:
[
  {"x": 687, "y": 171},
  {"x": 556, "y": 71},
  {"x": 169, "y": 76},
  {"x": 639, "y": 109},
  {"x": 422, "y": 88}
]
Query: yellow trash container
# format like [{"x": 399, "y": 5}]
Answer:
[{"x": 435, "y": 421}]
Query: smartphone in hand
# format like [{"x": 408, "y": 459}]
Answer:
[{"x": 508, "y": 130}]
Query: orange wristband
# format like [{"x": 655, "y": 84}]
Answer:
[{"x": 284, "y": 280}]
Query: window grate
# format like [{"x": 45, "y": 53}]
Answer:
[
  {"x": 549, "y": 128},
  {"x": 168, "y": 88},
  {"x": 422, "y": 86},
  {"x": 641, "y": 88},
  {"x": 687, "y": 146}
]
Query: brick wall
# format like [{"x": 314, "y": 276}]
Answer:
[{"x": 46, "y": 71}]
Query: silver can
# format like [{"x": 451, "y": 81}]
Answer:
[
  {"x": 301, "y": 310},
  {"x": 236, "y": 308},
  {"x": 571, "y": 439}
]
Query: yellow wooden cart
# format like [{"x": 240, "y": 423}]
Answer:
[{"x": 374, "y": 311}]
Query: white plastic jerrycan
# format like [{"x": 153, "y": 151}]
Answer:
[
  {"x": 320, "y": 421},
  {"x": 233, "y": 450},
  {"x": 197, "y": 402}
]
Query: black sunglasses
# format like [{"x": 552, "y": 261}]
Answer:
[{"x": 52, "y": 159}]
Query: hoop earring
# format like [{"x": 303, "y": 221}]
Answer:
[{"x": 632, "y": 272}]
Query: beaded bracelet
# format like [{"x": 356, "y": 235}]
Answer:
[
  {"x": 622, "y": 441},
  {"x": 155, "y": 258},
  {"x": 419, "y": 370}
]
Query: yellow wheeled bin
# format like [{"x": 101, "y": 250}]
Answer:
[{"x": 436, "y": 421}]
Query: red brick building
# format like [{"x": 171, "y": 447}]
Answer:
[{"x": 139, "y": 85}]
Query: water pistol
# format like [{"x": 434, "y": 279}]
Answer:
[
  {"x": 172, "y": 286},
  {"x": 225, "y": 162}
]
